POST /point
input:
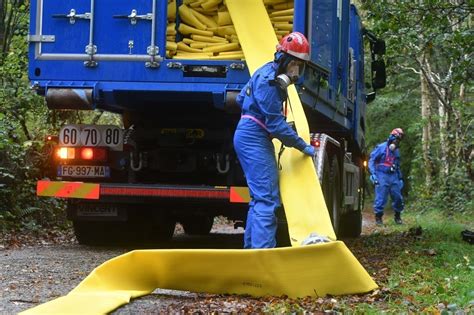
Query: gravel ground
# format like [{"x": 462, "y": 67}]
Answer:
[
  {"x": 39, "y": 272},
  {"x": 32, "y": 275}
]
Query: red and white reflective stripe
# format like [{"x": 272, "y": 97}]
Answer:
[
  {"x": 261, "y": 124},
  {"x": 165, "y": 192}
]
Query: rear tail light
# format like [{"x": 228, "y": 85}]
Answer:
[
  {"x": 64, "y": 153},
  {"x": 51, "y": 138},
  {"x": 85, "y": 153},
  {"x": 315, "y": 143}
]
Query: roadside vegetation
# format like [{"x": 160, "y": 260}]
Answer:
[{"x": 422, "y": 266}]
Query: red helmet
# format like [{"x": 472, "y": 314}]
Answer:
[
  {"x": 296, "y": 45},
  {"x": 397, "y": 132}
]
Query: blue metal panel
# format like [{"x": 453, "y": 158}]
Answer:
[
  {"x": 344, "y": 46},
  {"x": 114, "y": 35},
  {"x": 299, "y": 20},
  {"x": 356, "y": 43},
  {"x": 322, "y": 35},
  {"x": 70, "y": 38},
  {"x": 63, "y": 60}
]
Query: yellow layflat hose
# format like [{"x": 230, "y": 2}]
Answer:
[{"x": 298, "y": 271}]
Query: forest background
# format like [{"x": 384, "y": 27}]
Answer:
[{"x": 429, "y": 94}]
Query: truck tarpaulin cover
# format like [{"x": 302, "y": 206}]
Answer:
[{"x": 297, "y": 271}]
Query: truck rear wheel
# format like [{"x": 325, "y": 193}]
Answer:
[
  {"x": 334, "y": 207},
  {"x": 198, "y": 224},
  {"x": 351, "y": 224},
  {"x": 163, "y": 229},
  {"x": 96, "y": 233},
  {"x": 332, "y": 190}
]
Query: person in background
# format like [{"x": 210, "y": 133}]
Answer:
[
  {"x": 385, "y": 174},
  {"x": 263, "y": 118}
]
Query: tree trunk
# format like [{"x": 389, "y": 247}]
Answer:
[
  {"x": 426, "y": 105},
  {"x": 444, "y": 141}
]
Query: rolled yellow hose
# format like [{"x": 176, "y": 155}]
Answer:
[
  {"x": 223, "y": 18},
  {"x": 187, "y": 16},
  {"x": 284, "y": 18},
  {"x": 209, "y": 22},
  {"x": 170, "y": 38},
  {"x": 283, "y": 6},
  {"x": 199, "y": 45},
  {"x": 233, "y": 52},
  {"x": 184, "y": 54},
  {"x": 210, "y": 4},
  {"x": 184, "y": 47},
  {"x": 283, "y": 26},
  {"x": 282, "y": 33},
  {"x": 228, "y": 57},
  {"x": 272, "y": 2},
  {"x": 171, "y": 46},
  {"x": 196, "y": 3},
  {"x": 282, "y": 13},
  {"x": 171, "y": 11},
  {"x": 208, "y": 39},
  {"x": 188, "y": 41},
  {"x": 226, "y": 30},
  {"x": 187, "y": 30},
  {"x": 220, "y": 48}
]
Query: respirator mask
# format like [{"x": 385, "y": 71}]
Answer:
[
  {"x": 292, "y": 72},
  {"x": 393, "y": 143}
]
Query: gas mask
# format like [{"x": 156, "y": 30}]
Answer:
[
  {"x": 393, "y": 144},
  {"x": 293, "y": 71}
]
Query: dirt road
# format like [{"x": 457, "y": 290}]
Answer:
[{"x": 41, "y": 271}]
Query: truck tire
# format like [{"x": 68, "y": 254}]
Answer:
[
  {"x": 96, "y": 233},
  {"x": 198, "y": 225},
  {"x": 351, "y": 224},
  {"x": 162, "y": 228},
  {"x": 282, "y": 235}
]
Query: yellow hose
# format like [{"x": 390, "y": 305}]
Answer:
[
  {"x": 220, "y": 48},
  {"x": 187, "y": 30},
  {"x": 208, "y": 39},
  {"x": 209, "y": 22},
  {"x": 187, "y": 16},
  {"x": 223, "y": 18}
]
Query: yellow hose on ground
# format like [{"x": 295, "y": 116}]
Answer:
[{"x": 298, "y": 271}]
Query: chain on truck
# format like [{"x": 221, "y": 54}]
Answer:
[{"x": 172, "y": 159}]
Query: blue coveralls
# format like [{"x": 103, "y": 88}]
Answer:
[
  {"x": 262, "y": 119},
  {"x": 385, "y": 164}
]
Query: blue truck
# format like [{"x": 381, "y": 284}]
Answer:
[{"x": 172, "y": 159}]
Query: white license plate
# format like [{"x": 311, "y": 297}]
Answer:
[
  {"x": 97, "y": 212},
  {"x": 83, "y": 171}
]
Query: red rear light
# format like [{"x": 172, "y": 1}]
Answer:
[
  {"x": 87, "y": 154},
  {"x": 51, "y": 138},
  {"x": 315, "y": 143},
  {"x": 94, "y": 154}
]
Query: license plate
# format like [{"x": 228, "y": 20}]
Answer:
[
  {"x": 97, "y": 212},
  {"x": 83, "y": 171}
]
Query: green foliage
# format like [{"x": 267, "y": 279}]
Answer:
[
  {"x": 439, "y": 268},
  {"x": 435, "y": 37}
]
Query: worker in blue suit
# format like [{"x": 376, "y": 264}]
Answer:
[
  {"x": 262, "y": 101},
  {"x": 384, "y": 167}
]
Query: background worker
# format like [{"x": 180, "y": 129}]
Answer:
[
  {"x": 384, "y": 167},
  {"x": 262, "y": 119}
]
